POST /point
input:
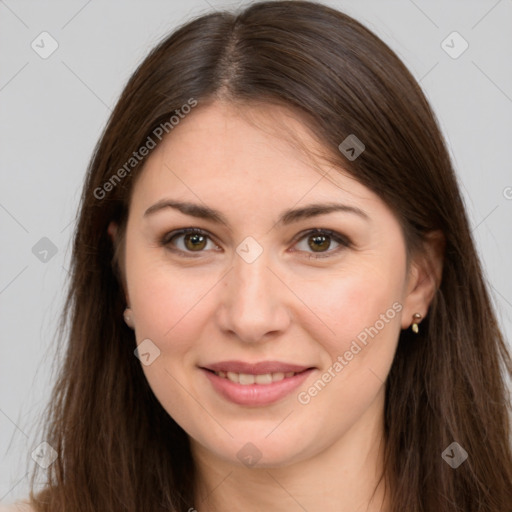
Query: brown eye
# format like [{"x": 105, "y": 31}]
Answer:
[
  {"x": 194, "y": 241},
  {"x": 187, "y": 241},
  {"x": 320, "y": 241},
  {"x": 317, "y": 243}
]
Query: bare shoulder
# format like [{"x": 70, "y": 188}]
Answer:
[{"x": 19, "y": 506}]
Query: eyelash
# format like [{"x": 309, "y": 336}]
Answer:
[{"x": 342, "y": 240}]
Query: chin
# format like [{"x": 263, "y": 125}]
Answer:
[{"x": 256, "y": 452}]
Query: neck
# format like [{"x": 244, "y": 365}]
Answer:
[{"x": 343, "y": 478}]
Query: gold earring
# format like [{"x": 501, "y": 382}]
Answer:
[
  {"x": 416, "y": 317},
  {"x": 128, "y": 317}
]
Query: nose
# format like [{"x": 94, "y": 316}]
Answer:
[{"x": 253, "y": 302}]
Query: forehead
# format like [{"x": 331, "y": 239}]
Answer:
[{"x": 249, "y": 155}]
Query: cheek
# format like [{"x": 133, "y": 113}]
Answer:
[
  {"x": 347, "y": 306},
  {"x": 164, "y": 308},
  {"x": 167, "y": 302},
  {"x": 359, "y": 317},
  {"x": 168, "y": 305}
]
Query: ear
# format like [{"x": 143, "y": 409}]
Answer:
[
  {"x": 112, "y": 230},
  {"x": 424, "y": 278}
]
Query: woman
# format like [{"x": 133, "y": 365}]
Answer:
[{"x": 276, "y": 303}]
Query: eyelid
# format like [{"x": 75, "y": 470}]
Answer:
[
  {"x": 342, "y": 240},
  {"x": 165, "y": 240}
]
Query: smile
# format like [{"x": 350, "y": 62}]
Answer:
[
  {"x": 248, "y": 378},
  {"x": 255, "y": 389}
]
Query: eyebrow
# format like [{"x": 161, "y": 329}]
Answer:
[{"x": 287, "y": 217}]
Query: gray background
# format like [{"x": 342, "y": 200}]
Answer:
[{"x": 53, "y": 111}]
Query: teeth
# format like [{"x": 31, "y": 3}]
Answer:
[
  {"x": 247, "y": 378},
  {"x": 266, "y": 378},
  {"x": 234, "y": 377}
]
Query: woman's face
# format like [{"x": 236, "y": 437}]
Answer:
[{"x": 261, "y": 287}]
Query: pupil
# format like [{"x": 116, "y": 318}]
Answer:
[
  {"x": 318, "y": 241},
  {"x": 195, "y": 239}
]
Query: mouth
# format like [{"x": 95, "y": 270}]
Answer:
[
  {"x": 246, "y": 379},
  {"x": 255, "y": 384}
]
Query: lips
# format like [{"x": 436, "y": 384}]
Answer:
[
  {"x": 259, "y": 368},
  {"x": 255, "y": 384}
]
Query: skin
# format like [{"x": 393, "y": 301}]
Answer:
[{"x": 214, "y": 306}]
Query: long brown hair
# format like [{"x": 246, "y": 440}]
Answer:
[{"x": 119, "y": 450}]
